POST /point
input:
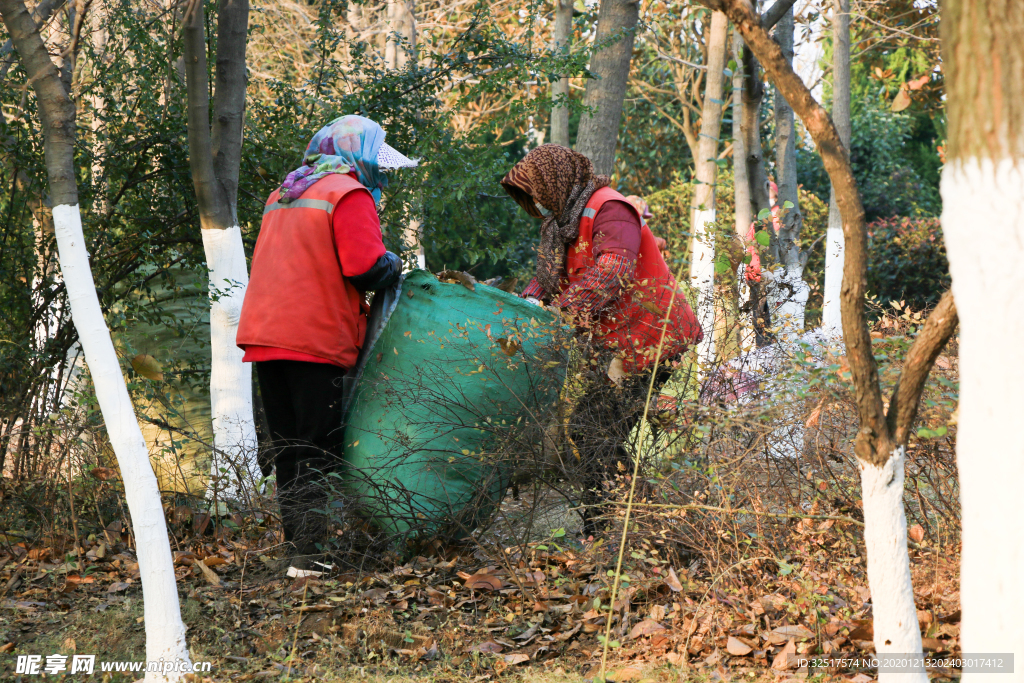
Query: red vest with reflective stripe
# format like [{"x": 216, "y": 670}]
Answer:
[
  {"x": 632, "y": 324},
  {"x": 297, "y": 298}
]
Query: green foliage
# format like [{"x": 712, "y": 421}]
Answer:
[
  {"x": 907, "y": 261},
  {"x": 885, "y": 164}
]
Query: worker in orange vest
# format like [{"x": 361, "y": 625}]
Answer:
[
  {"x": 599, "y": 263},
  {"x": 303, "y": 320}
]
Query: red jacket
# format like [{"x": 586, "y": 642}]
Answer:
[
  {"x": 633, "y": 323},
  {"x": 298, "y": 298}
]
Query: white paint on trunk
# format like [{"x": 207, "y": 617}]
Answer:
[
  {"x": 165, "y": 631},
  {"x": 885, "y": 539},
  {"x": 234, "y": 429},
  {"x": 983, "y": 225},
  {"x": 702, "y": 279},
  {"x": 835, "y": 256},
  {"x": 787, "y": 298}
]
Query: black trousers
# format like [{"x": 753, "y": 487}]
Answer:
[{"x": 303, "y": 405}]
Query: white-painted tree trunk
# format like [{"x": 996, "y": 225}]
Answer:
[
  {"x": 234, "y": 430},
  {"x": 165, "y": 631},
  {"x": 983, "y": 225},
  {"x": 835, "y": 250},
  {"x": 702, "y": 279},
  {"x": 885, "y": 539},
  {"x": 835, "y": 243},
  {"x": 787, "y": 298}
]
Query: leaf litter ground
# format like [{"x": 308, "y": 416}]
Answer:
[{"x": 532, "y": 612}]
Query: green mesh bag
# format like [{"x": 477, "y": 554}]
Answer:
[{"x": 447, "y": 374}]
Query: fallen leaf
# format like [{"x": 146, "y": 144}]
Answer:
[
  {"x": 672, "y": 581},
  {"x": 797, "y": 631},
  {"x": 464, "y": 279},
  {"x": 646, "y": 628},
  {"x": 117, "y": 587},
  {"x": 916, "y": 533},
  {"x": 628, "y": 674},
  {"x": 737, "y": 647},
  {"x": 148, "y": 367},
  {"x": 213, "y": 561},
  {"x": 208, "y": 573},
  {"x": 675, "y": 658},
  {"x": 864, "y": 629},
  {"x": 785, "y": 660},
  {"x": 517, "y": 658},
  {"x": 7, "y": 647},
  {"x": 485, "y": 582},
  {"x": 488, "y": 647},
  {"x": 76, "y": 579}
]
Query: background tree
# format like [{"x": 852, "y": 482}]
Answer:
[
  {"x": 165, "y": 632},
  {"x": 214, "y": 158},
  {"x": 702, "y": 250},
  {"x": 831, "y": 318},
  {"x": 983, "y": 219},
  {"x": 599, "y": 130},
  {"x": 561, "y": 40}
]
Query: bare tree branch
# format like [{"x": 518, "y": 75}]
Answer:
[
  {"x": 932, "y": 338},
  {"x": 774, "y": 13},
  {"x": 41, "y": 13}
]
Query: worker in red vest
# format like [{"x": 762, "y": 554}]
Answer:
[
  {"x": 304, "y": 316},
  {"x": 599, "y": 263}
]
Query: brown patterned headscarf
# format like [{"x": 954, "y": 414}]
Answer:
[{"x": 562, "y": 181}]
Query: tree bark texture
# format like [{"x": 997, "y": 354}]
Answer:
[
  {"x": 831, "y": 317},
  {"x": 561, "y": 41},
  {"x": 165, "y": 631},
  {"x": 599, "y": 131},
  {"x": 785, "y": 156},
  {"x": 41, "y": 13},
  {"x": 702, "y": 206},
  {"x": 983, "y": 225},
  {"x": 741, "y": 181},
  {"x": 789, "y": 292},
  {"x": 214, "y": 160},
  {"x": 401, "y": 34}
]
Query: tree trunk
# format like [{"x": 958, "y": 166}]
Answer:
[
  {"x": 599, "y": 132},
  {"x": 741, "y": 180},
  {"x": 831, "y": 317},
  {"x": 790, "y": 292},
  {"x": 165, "y": 631},
  {"x": 402, "y": 21},
  {"x": 561, "y": 41},
  {"x": 702, "y": 207},
  {"x": 983, "y": 223},
  {"x": 401, "y": 34},
  {"x": 741, "y": 192},
  {"x": 881, "y": 439},
  {"x": 214, "y": 161},
  {"x": 757, "y": 180}
]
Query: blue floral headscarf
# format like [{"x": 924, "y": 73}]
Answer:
[{"x": 346, "y": 144}]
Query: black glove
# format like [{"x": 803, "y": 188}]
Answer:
[{"x": 381, "y": 274}]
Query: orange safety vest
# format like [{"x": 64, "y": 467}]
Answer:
[
  {"x": 297, "y": 297},
  {"x": 632, "y": 324}
]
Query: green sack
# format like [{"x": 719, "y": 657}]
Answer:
[{"x": 446, "y": 375}]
